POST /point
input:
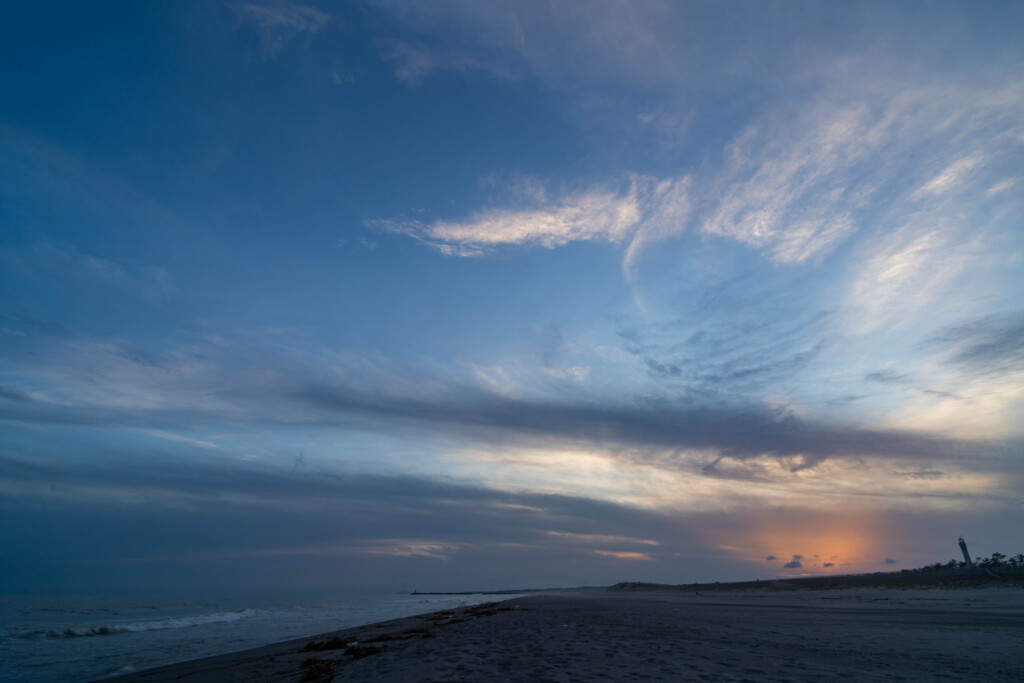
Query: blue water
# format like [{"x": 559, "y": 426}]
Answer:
[{"x": 62, "y": 638}]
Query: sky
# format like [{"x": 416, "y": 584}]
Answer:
[{"x": 376, "y": 296}]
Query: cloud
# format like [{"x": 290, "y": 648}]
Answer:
[
  {"x": 829, "y": 564},
  {"x": 219, "y": 486},
  {"x": 888, "y": 560},
  {"x": 255, "y": 519},
  {"x": 792, "y": 565},
  {"x": 784, "y": 197},
  {"x": 770, "y": 557},
  {"x": 279, "y": 21},
  {"x": 593, "y": 216},
  {"x": 513, "y": 40},
  {"x": 619, "y": 555},
  {"x": 667, "y": 206},
  {"x": 719, "y": 358},
  {"x": 785, "y": 187},
  {"x": 575, "y": 373},
  {"x": 991, "y": 345},
  {"x": 909, "y": 269},
  {"x": 650, "y": 211},
  {"x": 635, "y": 448},
  {"x": 628, "y": 48},
  {"x": 188, "y": 387},
  {"x": 1004, "y": 185},
  {"x": 65, "y": 261},
  {"x": 925, "y": 474},
  {"x": 665, "y": 459},
  {"x": 35, "y": 170},
  {"x": 721, "y": 397},
  {"x": 408, "y": 548},
  {"x": 600, "y": 538},
  {"x": 339, "y": 77},
  {"x": 974, "y": 369},
  {"x": 886, "y": 377},
  {"x": 954, "y": 174},
  {"x": 388, "y": 547},
  {"x": 413, "y": 61},
  {"x": 798, "y": 557},
  {"x": 795, "y": 184},
  {"x": 13, "y": 394},
  {"x": 742, "y": 432},
  {"x": 258, "y": 519}
]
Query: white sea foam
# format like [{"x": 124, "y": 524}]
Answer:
[{"x": 160, "y": 625}]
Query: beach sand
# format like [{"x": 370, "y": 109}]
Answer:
[{"x": 888, "y": 634}]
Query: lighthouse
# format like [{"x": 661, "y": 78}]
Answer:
[{"x": 967, "y": 555}]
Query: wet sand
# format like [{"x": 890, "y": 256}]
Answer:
[{"x": 887, "y": 634}]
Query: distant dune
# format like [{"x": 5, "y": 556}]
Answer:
[{"x": 950, "y": 577}]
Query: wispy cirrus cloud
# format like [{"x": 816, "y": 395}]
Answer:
[
  {"x": 956, "y": 173},
  {"x": 795, "y": 184},
  {"x": 786, "y": 188},
  {"x": 792, "y": 185},
  {"x": 278, "y": 21},
  {"x": 592, "y": 216},
  {"x": 904, "y": 272},
  {"x": 856, "y": 153},
  {"x": 515, "y": 40},
  {"x": 413, "y": 62},
  {"x": 1003, "y": 185},
  {"x": 648, "y": 211},
  {"x": 643, "y": 47}
]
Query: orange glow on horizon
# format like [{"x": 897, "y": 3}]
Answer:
[{"x": 847, "y": 545}]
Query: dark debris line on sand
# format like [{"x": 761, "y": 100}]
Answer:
[{"x": 323, "y": 669}]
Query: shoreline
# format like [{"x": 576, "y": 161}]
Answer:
[{"x": 922, "y": 632}]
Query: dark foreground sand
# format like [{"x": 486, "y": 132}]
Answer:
[{"x": 745, "y": 635}]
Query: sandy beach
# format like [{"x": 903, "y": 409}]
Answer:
[{"x": 898, "y": 634}]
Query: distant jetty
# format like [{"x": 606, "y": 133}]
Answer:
[{"x": 514, "y": 591}]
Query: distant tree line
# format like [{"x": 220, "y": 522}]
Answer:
[{"x": 993, "y": 561}]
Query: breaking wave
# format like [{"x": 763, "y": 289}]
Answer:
[{"x": 137, "y": 626}]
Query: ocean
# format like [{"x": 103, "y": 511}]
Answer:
[{"x": 66, "y": 638}]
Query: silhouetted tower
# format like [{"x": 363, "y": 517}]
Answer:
[{"x": 967, "y": 555}]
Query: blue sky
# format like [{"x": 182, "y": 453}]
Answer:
[{"x": 457, "y": 295}]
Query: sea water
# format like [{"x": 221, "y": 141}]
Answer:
[{"x": 63, "y": 638}]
